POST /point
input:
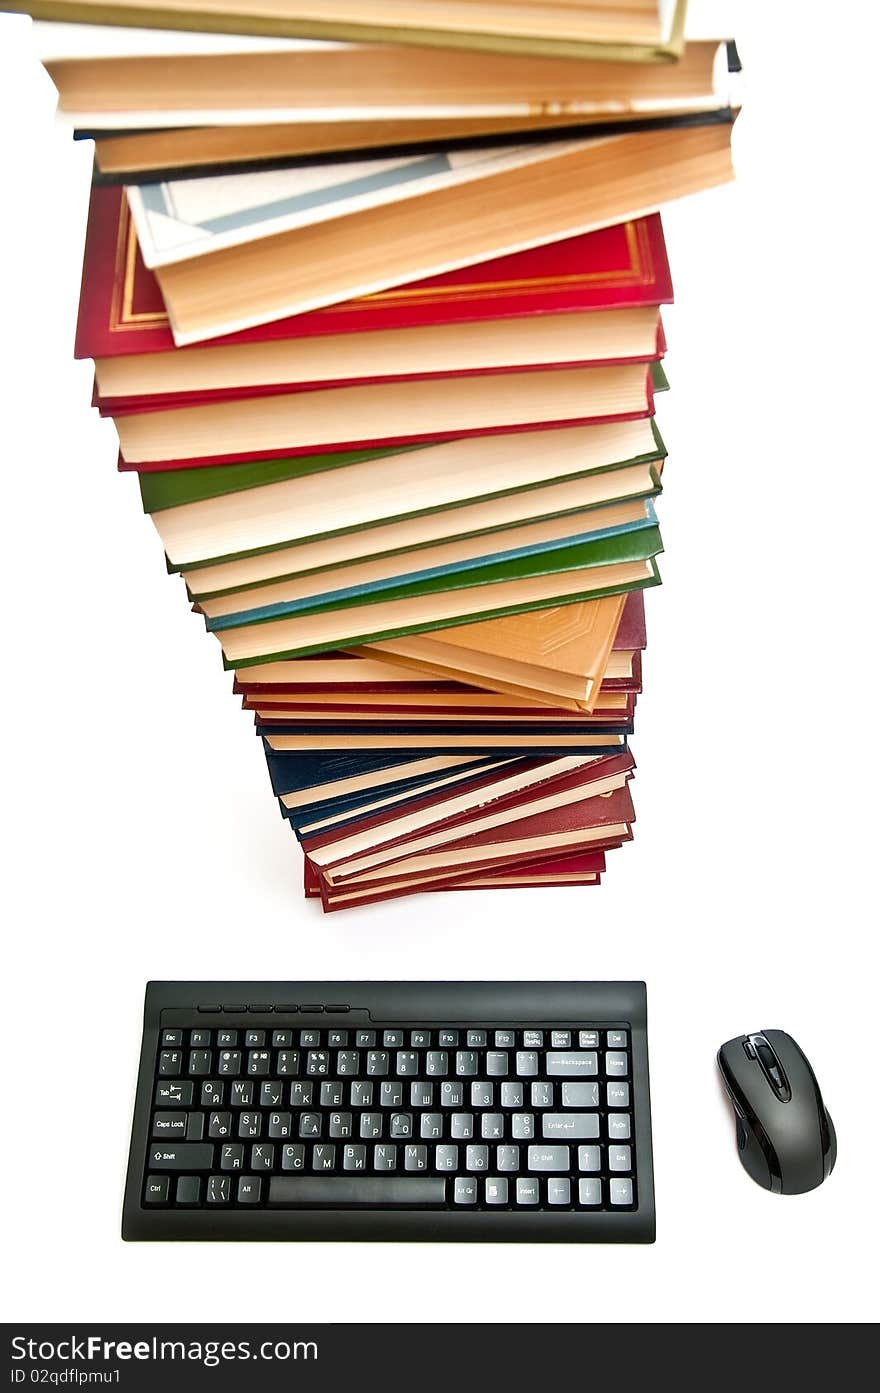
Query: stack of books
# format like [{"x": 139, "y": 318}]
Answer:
[{"x": 378, "y": 324}]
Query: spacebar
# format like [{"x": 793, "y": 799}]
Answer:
[{"x": 338, "y": 1190}]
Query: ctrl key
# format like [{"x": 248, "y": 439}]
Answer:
[{"x": 156, "y": 1189}]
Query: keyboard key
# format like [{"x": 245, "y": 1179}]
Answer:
[
  {"x": 522, "y": 1126},
  {"x": 348, "y": 1062},
  {"x": 338, "y": 1038},
  {"x": 407, "y": 1063},
  {"x": 189, "y": 1189},
  {"x": 200, "y": 1038},
  {"x": 476, "y": 1158},
  {"x": 211, "y": 1093},
  {"x": 446, "y": 1158},
  {"x": 589, "y": 1158},
  {"x": 262, "y": 1157},
  {"x": 248, "y": 1191},
  {"x": 323, "y": 1156},
  {"x": 497, "y": 1063},
  {"x": 447, "y": 1039},
  {"x": 437, "y": 1062},
  {"x": 619, "y": 1158},
  {"x": 533, "y": 1040},
  {"x": 580, "y": 1095},
  {"x": 465, "y": 1190},
  {"x": 170, "y": 1038},
  {"x": 354, "y": 1157},
  {"x": 407, "y": 1191},
  {"x": 527, "y": 1190},
  {"x": 482, "y": 1095},
  {"x": 588, "y": 1039},
  {"x": 617, "y": 1095},
  {"x": 282, "y": 1039},
  {"x": 293, "y": 1157},
  {"x": 512, "y": 1095},
  {"x": 507, "y": 1158},
  {"x": 340, "y": 1125},
  {"x": 616, "y": 1039},
  {"x": 466, "y": 1063},
  {"x": 232, "y": 1157},
  {"x": 401, "y": 1125},
  {"x": 572, "y": 1064},
  {"x": 271, "y": 1095},
  {"x": 590, "y": 1192},
  {"x": 431, "y": 1126},
  {"x": 201, "y": 1062},
  {"x": 310, "y": 1124},
  {"x": 250, "y": 1125},
  {"x": 619, "y": 1126},
  {"x": 421, "y": 1095},
  {"x": 310, "y": 1039},
  {"x": 504, "y": 1039},
  {"x": 362, "y": 1095},
  {"x": 560, "y": 1039},
  {"x": 496, "y": 1190},
  {"x": 384, "y": 1158},
  {"x": 220, "y": 1126},
  {"x": 392, "y": 1039},
  {"x": 287, "y": 1063},
  {"x": 219, "y": 1189},
  {"x": 180, "y": 1156},
  {"x": 526, "y": 1063},
  {"x": 242, "y": 1093},
  {"x": 549, "y": 1158},
  {"x": 451, "y": 1095},
  {"x": 419, "y": 1039},
  {"x": 415, "y": 1158},
  {"x": 620, "y": 1191},
  {"x": 476, "y": 1039},
  {"x": 301, "y": 1093},
  {"x": 156, "y": 1189},
  {"x": 378, "y": 1063},
  {"x": 170, "y": 1063},
  {"x": 616, "y": 1064},
  {"x": 365, "y": 1039},
  {"x": 570, "y": 1124},
  {"x": 227, "y": 1039},
  {"x": 370, "y": 1126},
  {"x": 174, "y": 1095},
  {"x": 542, "y": 1095},
  {"x": 331, "y": 1094},
  {"x": 391, "y": 1095},
  {"x": 230, "y": 1062},
  {"x": 254, "y": 1039},
  {"x": 492, "y": 1126},
  {"x": 461, "y": 1126},
  {"x": 195, "y": 1126},
  {"x": 280, "y": 1125},
  {"x": 558, "y": 1190}
]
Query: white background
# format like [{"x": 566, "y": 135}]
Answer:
[{"x": 143, "y": 841}]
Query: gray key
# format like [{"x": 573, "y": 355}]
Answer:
[
  {"x": 354, "y": 1157},
  {"x": 437, "y": 1063},
  {"x": 526, "y": 1190},
  {"x": 401, "y": 1124},
  {"x": 173, "y": 1124},
  {"x": 377, "y": 1063},
  {"x": 512, "y": 1095},
  {"x": 408, "y": 1191},
  {"x": 589, "y": 1192},
  {"x": 560, "y": 1039},
  {"x": 348, "y": 1062},
  {"x": 572, "y": 1064},
  {"x": 407, "y": 1063},
  {"x": 588, "y": 1039},
  {"x": 451, "y": 1095},
  {"x": 504, "y": 1039},
  {"x": 293, "y": 1157},
  {"x": 340, "y": 1125},
  {"x": 262, "y": 1157},
  {"x": 421, "y": 1095},
  {"x": 415, "y": 1158},
  {"x": 446, "y": 1158},
  {"x": 323, "y": 1156},
  {"x": 542, "y": 1095},
  {"x": 620, "y": 1190},
  {"x": 331, "y": 1095},
  {"x": 371, "y": 1126},
  {"x": 462, "y": 1127},
  {"x": 492, "y": 1126},
  {"x": 616, "y": 1039},
  {"x": 390, "y": 1095},
  {"x": 549, "y": 1158},
  {"x": 219, "y": 1189},
  {"x": 280, "y": 1124},
  {"x": 362, "y": 1095},
  {"x": 384, "y": 1158},
  {"x": 580, "y": 1095},
  {"x": 466, "y": 1062},
  {"x": 496, "y": 1190},
  {"x": 523, "y": 1126},
  {"x": 232, "y": 1157},
  {"x": 301, "y": 1093},
  {"x": 616, "y": 1064},
  {"x": 271, "y": 1095},
  {"x": 589, "y": 1158},
  {"x": 526, "y": 1063},
  {"x": 497, "y": 1063},
  {"x": 533, "y": 1039},
  {"x": 392, "y": 1039},
  {"x": 180, "y": 1156},
  {"x": 619, "y": 1158},
  {"x": 476, "y": 1158},
  {"x": 482, "y": 1095},
  {"x": 309, "y": 1124},
  {"x": 431, "y": 1126},
  {"x": 558, "y": 1190},
  {"x": 507, "y": 1158},
  {"x": 447, "y": 1038},
  {"x": 619, "y": 1126},
  {"x": 572, "y": 1125},
  {"x": 476, "y": 1039},
  {"x": 178, "y": 1094},
  {"x": 617, "y": 1095},
  {"x": 464, "y": 1190},
  {"x": 195, "y": 1126}
]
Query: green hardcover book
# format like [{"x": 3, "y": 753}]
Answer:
[
  {"x": 647, "y": 33},
  {"x": 580, "y": 572},
  {"x": 387, "y": 488}
]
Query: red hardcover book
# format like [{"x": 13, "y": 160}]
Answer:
[
  {"x": 438, "y": 819},
  {"x": 122, "y": 311},
  {"x": 292, "y": 713},
  {"x": 597, "y": 824},
  {"x": 583, "y": 869}
]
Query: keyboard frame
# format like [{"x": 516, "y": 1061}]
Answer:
[{"x": 530, "y": 1005}]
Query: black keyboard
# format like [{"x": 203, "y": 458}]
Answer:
[{"x": 392, "y": 1110}]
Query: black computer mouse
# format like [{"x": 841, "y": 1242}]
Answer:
[{"x": 785, "y": 1137}]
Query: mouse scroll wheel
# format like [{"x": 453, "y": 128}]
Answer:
[{"x": 769, "y": 1064}]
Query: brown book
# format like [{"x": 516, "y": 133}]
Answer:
[
  {"x": 561, "y": 652},
  {"x": 572, "y": 188}
]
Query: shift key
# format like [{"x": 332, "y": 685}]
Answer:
[
  {"x": 187, "y": 1156},
  {"x": 572, "y": 1064}
]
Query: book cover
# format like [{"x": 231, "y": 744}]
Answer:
[
  {"x": 584, "y": 868},
  {"x": 121, "y": 308}
]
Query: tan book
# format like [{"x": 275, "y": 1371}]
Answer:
[
  {"x": 566, "y": 189},
  {"x": 633, "y": 30},
  {"x": 561, "y": 652}
]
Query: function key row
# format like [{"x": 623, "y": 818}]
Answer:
[{"x": 310, "y": 1038}]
